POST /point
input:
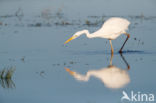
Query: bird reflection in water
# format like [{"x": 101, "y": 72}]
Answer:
[
  {"x": 6, "y": 77},
  {"x": 111, "y": 76}
]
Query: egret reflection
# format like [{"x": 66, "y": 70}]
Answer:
[{"x": 111, "y": 76}]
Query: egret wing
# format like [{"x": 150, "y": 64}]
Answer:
[{"x": 113, "y": 27}]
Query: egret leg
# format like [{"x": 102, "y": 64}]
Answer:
[
  {"x": 120, "y": 51},
  {"x": 112, "y": 50}
]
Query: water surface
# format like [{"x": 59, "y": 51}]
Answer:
[{"x": 31, "y": 41}]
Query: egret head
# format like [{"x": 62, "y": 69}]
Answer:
[{"x": 76, "y": 35}]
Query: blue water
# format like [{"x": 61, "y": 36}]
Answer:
[{"x": 33, "y": 44}]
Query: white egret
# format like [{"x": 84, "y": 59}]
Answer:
[{"x": 110, "y": 30}]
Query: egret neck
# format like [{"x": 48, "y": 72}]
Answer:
[{"x": 87, "y": 33}]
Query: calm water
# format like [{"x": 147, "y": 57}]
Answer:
[{"x": 32, "y": 34}]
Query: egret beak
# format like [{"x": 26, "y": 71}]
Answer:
[
  {"x": 70, "y": 72},
  {"x": 69, "y": 40}
]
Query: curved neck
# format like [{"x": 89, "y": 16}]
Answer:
[{"x": 87, "y": 33}]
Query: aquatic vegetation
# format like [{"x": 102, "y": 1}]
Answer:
[
  {"x": 7, "y": 73},
  {"x": 35, "y": 25},
  {"x": 38, "y": 24},
  {"x": 87, "y": 22},
  {"x": 71, "y": 62},
  {"x": 7, "y": 16},
  {"x": 47, "y": 18},
  {"x": 6, "y": 77},
  {"x": 62, "y": 23}
]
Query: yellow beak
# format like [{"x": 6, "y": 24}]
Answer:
[
  {"x": 69, "y": 40},
  {"x": 70, "y": 72}
]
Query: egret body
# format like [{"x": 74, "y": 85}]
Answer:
[{"x": 110, "y": 30}]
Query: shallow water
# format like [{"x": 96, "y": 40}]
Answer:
[{"x": 33, "y": 44}]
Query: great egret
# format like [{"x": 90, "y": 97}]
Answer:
[
  {"x": 110, "y": 30},
  {"x": 111, "y": 76}
]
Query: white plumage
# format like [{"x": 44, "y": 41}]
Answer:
[{"x": 110, "y": 30}]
